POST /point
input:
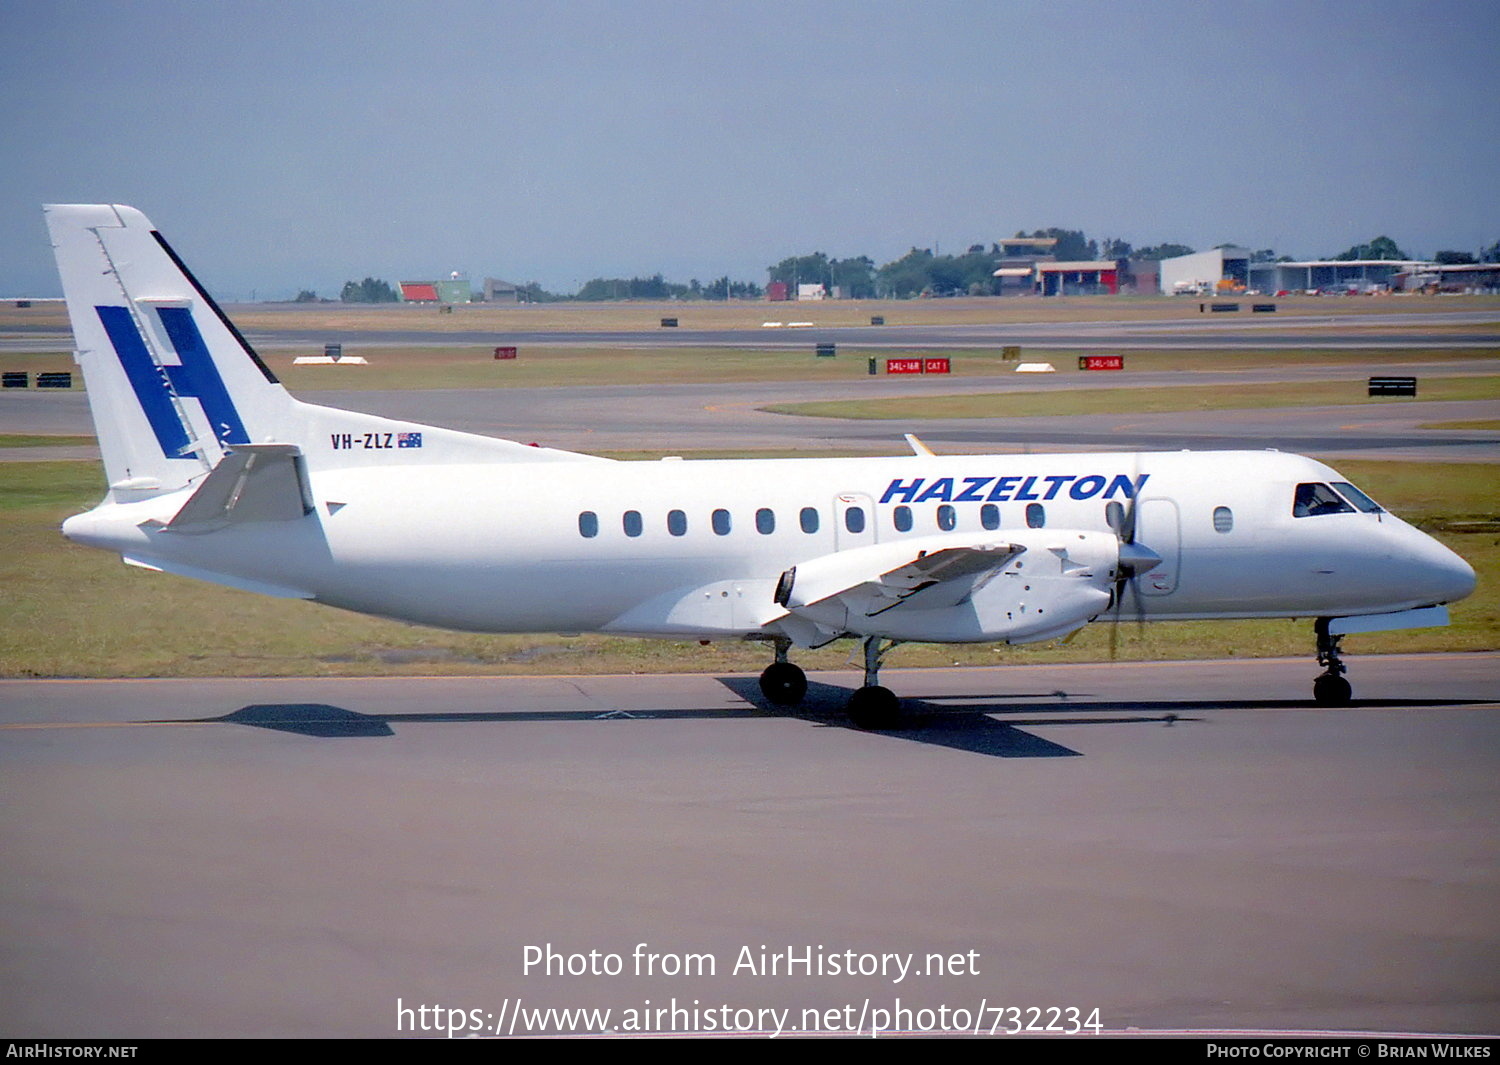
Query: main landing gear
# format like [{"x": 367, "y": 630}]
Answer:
[
  {"x": 871, "y": 707},
  {"x": 874, "y": 707},
  {"x": 783, "y": 683},
  {"x": 1331, "y": 688}
]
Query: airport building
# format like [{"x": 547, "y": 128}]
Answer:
[
  {"x": 454, "y": 290},
  {"x": 1205, "y": 272},
  {"x": 1330, "y": 275},
  {"x": 1432, "y": 277},
  {"x": 418, "y": 292},
  {"x": 1230, "y": 269},
  {"x": 1019, "y": 257},
  {"x": 1141, "y": 276},
  {"x": 1028, "y": 265},
  {"x": 1077, "y": 278},
  {"x": 497, "y": 291}
]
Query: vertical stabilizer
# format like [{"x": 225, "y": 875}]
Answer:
[{"x": 171, "y": 383}]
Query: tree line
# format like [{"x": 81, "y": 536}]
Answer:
[
  {"x": 655, "y": 288},
  {"x": 919, "y": 272}
]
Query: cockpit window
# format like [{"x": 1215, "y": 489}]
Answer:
[
  {"x": 1358, "y": 498},
  {"x": 1313, "y": 500}
]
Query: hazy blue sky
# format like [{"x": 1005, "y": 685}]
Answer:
[{"x": 282, "y": 145}]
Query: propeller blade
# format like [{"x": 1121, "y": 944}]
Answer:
[{"x": 1134, "y": 560}]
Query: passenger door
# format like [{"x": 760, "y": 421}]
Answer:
[{"x": 1158, "y": 526}]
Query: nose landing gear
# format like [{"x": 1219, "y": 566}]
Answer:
[{"x": 1331, "y": 688}]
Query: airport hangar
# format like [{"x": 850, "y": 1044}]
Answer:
[
  {"x": 1207, "y": 272},
  {"x": 1231, "y": 268}
]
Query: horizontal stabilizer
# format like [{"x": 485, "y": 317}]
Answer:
[{"x": 253, "y": 482}]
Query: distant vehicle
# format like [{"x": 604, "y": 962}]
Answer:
[{"x": 216, "y": 472}]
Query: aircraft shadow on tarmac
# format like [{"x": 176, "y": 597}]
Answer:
[
  {"x": 964, "y": 728},
  {"x": 993, "y": 725},
  {"x": 967, "y": 727}
]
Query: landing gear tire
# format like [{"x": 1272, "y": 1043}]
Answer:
[
  {"x": 783, "y": 684},
  {"x": 1329, "y": 690},
  {"x": 875, "y": 708}
]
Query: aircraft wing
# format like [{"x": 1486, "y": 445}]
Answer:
[{"x": 927, "y": 573}]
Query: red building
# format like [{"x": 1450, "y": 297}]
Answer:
[{"x": 1077, "y": 278}]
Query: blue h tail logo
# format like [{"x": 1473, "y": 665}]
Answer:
[{"x": 197, "y": 378}]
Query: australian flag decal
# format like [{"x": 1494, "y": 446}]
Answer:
[{"x": 408, "y": 439}]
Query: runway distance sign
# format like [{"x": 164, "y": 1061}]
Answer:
[{"x": 937, "y": 365}]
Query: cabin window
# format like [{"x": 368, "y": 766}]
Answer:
[
  {"x": 1314, "y": 500},
  {"x": 989, "y": 516},
  {"x": 901, "y": 517},
  {"x": 721, "y": 522},
  {"x": 809, "y": 518},
  {"x": 765, "y": 521},
  {"x": 1223, "y": 519},
  {"x": 676, "y": 523},
  {"x": 947, "y": 517},
  {"x": 854, "y": 519},
  {"x": 588, "y": 524},
  {"x": 1036, "y": 515},
  {"x": 1358, "y": 498},
  {"x": 632, "y": 523}
]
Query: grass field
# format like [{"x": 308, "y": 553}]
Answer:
[
  {"x": 1139, "y": 401},
  {"x": 24, "y": 440},
  {"x": 76, "y": 612},
  {"x": 1479, "y": 423}
]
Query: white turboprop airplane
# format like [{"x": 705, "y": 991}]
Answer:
[{"x": 216, "y": 472}]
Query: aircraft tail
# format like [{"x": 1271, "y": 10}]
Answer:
[{"x": 173, "y": 386}]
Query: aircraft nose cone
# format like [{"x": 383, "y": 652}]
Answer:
[
  {"x": 1458, "y": 578},
  {"x": 1443, "y": 575}
]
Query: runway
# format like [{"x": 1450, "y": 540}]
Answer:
[
  {"x": 1179, "y": 845},
  {"x": 1426, "y": 329},
  {"x": 1452, "y": 330},
  {"x": 727, "y": 416}
]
